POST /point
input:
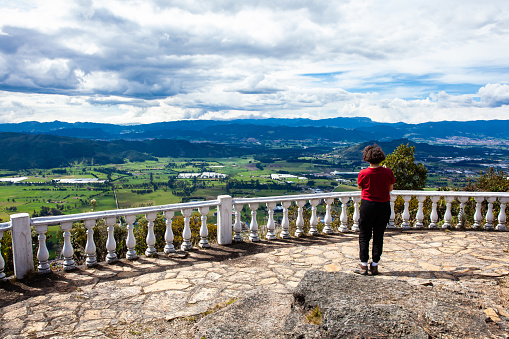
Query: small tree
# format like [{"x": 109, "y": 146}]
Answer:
[
  {"x": 492, "y": 181},
  {"x": 408, "y": 174}
]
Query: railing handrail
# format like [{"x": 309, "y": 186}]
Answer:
[
  {"x": 39, "y": 221},
  {"x": 5, "y": 226},
  {"x": 283, "y": 198},
  {"x": 451, "y": 193}
]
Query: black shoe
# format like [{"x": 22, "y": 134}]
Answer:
[
  {"x": 363, "y": 270},
  {"x": 373, "y": 269}
]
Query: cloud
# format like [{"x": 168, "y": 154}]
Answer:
[{"x": 136, "y": 61}]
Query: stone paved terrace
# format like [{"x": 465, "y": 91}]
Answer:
[{"x": 91, "y": 302}]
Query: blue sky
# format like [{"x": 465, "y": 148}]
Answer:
[{"x": 154, "y": 60}]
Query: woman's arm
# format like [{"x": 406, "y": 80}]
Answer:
[{"x": 391, "y": 187}]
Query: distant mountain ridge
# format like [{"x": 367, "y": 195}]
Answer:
[{"x": 340, "y": 129}]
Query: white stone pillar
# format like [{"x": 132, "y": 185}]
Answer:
[
  {"x": 356, "y": 213},
  {"x": 299, "y": 223},
  {"x": 328, "y": 216},
  {"x": 393, "y": 214},
  {"x": 271, "y": 225},
  {"x": 204, "y": 231},
  {"x": 111, "y": 244},
  {"x": 406, "y": 212},
  {"x": 344, "y": 216},
  {"x": 90, "y": 247},
  {"x": 151, "y": 237},
  {"x": 67, "y": 250},
  {"x": 419, "y": 217},
  {"x": 502, "y": 215},
  {"x": 461, "y": 215},
  {"x": 448, "y": 214},
  {"x": 237, "y": 226},
  {"x": 477, "y": 215},
  {"x": 42, "y": 251},
  {"x": 313, "y": 222},
  {"x": 285, "y": 223},
  {"x": 224, "y": 220},
  {"x": 130, "y": 242},
  {"x": 2, "y": 262},
  {"x": 168, "y": 233},
  {"x": 21, "y": 234},
  {"x": 488, "y": 225},
  {"x": 186, "y": 234},
  {"x": 253, "y": 227},
  {"x": 434, "y": 214}
]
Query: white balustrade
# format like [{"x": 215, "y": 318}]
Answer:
[
  {"x": 168, "y": 233},
  {"x": 502, "y": 215},
  {"x": 356, "y": 213},
  {"x": 344, "y": 216},
  {"x": 151, "y": 238},
  {"x": 285, "y": 223},
  {"x": 328, "y": 216},
  {"x": 448, "y": 212},
  {"x": 237, "y": 226},
  {"x": 253, "y": 227},
  {"x": 488, "y": 225},
  {"x": 2, "y": 262},
  {"x": 392, "y": 218},
  {"x": 204, "y": 231},
  {"x": 299, "y": 223},
  {"x": 406, "y": 212},
  {"x": 130, "y": 240},
  {"x": 419, "y": 217},
  {"x": 67, "y": 250},
  {"x": 477, "y": 215},
  {"x": 271, "y": 225},
  {"x": 434, "y": 213},
  {"x": 111, "y": 244},
  {"x": 186, "y": 233},
  {"x": 42, "y": 251},
  {"x": 90, "y": 246},
  {"x": 313, "y": 222},
  {"x": 461, "y": 214}
]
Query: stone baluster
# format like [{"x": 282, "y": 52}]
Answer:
[
  {"x": 2, "y": 262},
  {"x": 434, "y": 213},
  {"x": 151, "y": 237},
  {"x": 461, "y": 215},
  {"x": 419, "y": 217},
  {"x": 356, "y": 213},
  {"x": 501, "y": 214},
  {"x": 313, "y": 222},
  {"x": 488, "y": 225},
  {"x": 393, "y": 214},
  {"x": 271, "y": 225},
  {"x": 477, "y": 215},
  {"x": 285, "y": 223},
  {"x": 448, "y": 214},
  {"x": 42, "y": 252},
  {"x": 406, "y": 212},
  {"x": 328, "y": 216},
  {"x": 186, "y": 234},
  {"x": 343, "y": 218},
  {"x": 299, "y": 223},
  {"x": 90, "y": 246},
  {"x": 204, "y": 231},
  {"x": 253, "y": 227},
  {"x": 111, "y": 245},
  {"x": 67, "y": 250},
  {"x": 130, "y": 241},
  {"x": 168, "y": 233},
  {"x": 237, "y": 226}
]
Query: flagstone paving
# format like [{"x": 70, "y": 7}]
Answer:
[{"x": 89, "y": 301}]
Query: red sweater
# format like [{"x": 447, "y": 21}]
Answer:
[{"x": 375, "y": 183}]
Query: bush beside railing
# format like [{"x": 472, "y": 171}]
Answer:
[{"x": 89, "y": 238}]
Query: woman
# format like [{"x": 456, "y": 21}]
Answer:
[{"x": 376, "y": 183}]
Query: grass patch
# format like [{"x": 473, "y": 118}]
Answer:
[{"x": 314, "y": 316}]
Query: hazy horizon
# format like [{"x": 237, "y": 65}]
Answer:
[{"x": 141, "y": 62}]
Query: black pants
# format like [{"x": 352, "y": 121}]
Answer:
[{"x": 373, "y": 219}]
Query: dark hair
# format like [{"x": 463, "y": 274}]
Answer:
[{"x": 373, "y": 154}]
